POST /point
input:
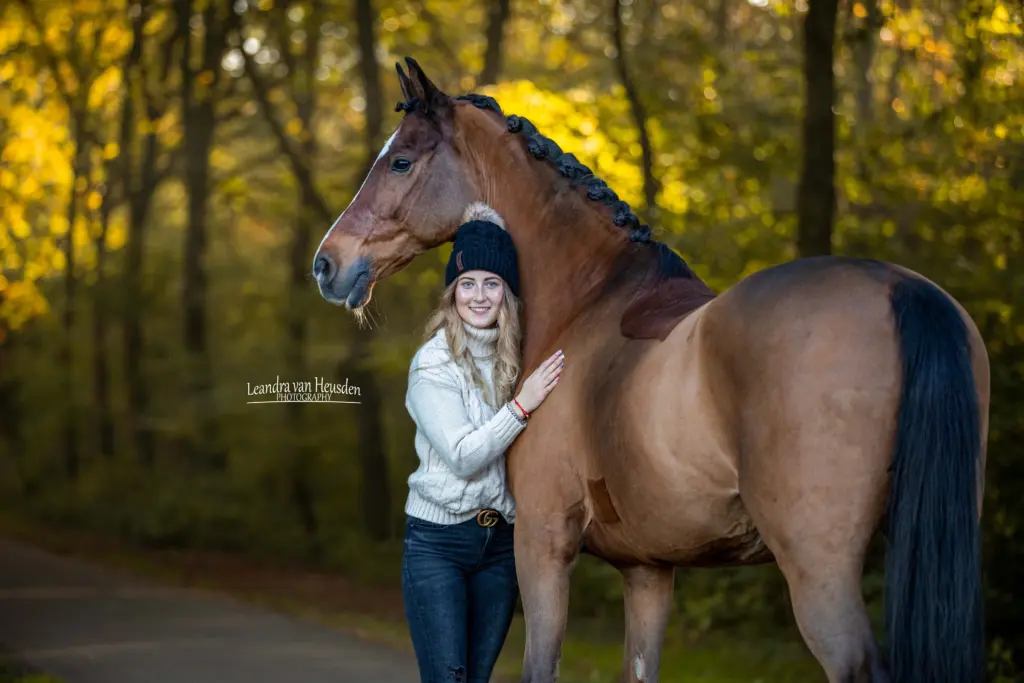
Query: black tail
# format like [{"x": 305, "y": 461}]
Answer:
[{"x": 933, "y": 604}]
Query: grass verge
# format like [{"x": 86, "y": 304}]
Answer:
[{"x": 12, "y": 671}]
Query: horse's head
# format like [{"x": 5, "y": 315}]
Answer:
[{"x": 411, "y": 200}]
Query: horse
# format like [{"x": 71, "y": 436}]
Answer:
[{"x": 787, "y": 419}]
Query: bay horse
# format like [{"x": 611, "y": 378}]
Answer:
[{"x": 788, "y": 418}]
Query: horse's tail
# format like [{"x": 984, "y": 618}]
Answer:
[{"x": 933, "y": 603}]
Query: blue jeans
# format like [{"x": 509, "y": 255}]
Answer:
[{"x": 460, "y": 589}]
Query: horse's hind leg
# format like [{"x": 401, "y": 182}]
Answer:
[
  {"x": 648, "y": 601},
  {"x": 818, "y": 520},
  {"x": 830, "y": 612}
]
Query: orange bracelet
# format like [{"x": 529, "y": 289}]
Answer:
[{"x": 525, "y": 413}]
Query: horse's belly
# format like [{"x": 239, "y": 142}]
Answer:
[
  {"x": 664, "y": 484},
  {"x": 697, "y": 532}
]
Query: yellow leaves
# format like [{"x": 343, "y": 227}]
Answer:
[
  {"x": 29, "y": 186},
  {"x": 7, "y": 179},
  {"x": 105, "y": 88},
  {"x": 583, "y": 128},
  {"x": 81, "y": 235},
  {"x": 1000, "y": 261},
  {"x": 556, "y": 53},
  {"x": 1000, "y": 22},
  {"x": 972, "y": 187},
  {"x": 201, "y": 86},
  {"x": 220, "y": 159},
  {"x": 111, "y": 150},
  {"x": 673, "y": 196},
  {"x": 21, "y": 302},
  {"x": 294, "y": 127},
  {"x": 117, "y": 233},
  {"x": 859, "y": 10},
  {"x": 13, "y": 213},
  {"x": 58, "y": 224},
  {"x": 94, "y": 201},
  {"x": 899, "y": 107},
  {"x": 277, "y": 96},
  {"x": 12, "y": 262},
  {"x": 1001, "y": 131},
  {"x": 20, "y": 228},
  {"x": 156, "y": 23}
]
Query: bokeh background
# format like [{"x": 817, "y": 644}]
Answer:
[{"x": 168, "y": 168}]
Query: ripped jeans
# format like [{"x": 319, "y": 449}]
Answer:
[{"x": 460, "y": 589}]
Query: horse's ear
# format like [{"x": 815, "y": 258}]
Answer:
[
  {"x": 429, "y": 93},
  {"x": 408, "y": 89}
]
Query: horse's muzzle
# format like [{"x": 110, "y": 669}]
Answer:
[{"x": 349, "y": 287}]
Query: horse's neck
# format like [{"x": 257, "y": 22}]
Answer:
[
  {"x": 568, "y": 249},
  {"x": 567, "y": 261}
]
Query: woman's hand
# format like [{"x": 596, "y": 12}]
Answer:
[{"x": 538, "y": 385}]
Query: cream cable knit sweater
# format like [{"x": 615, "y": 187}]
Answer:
[{"x": 460, "y": 440}]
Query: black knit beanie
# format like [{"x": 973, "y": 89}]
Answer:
[{"x": 481, "y": 243}]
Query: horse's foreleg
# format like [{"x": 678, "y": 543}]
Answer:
[
  {"x": 648, "y": 598},
  {"x": 545, "y": 551}
]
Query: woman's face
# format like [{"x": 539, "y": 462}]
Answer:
[{"x": 478, "y": 296}]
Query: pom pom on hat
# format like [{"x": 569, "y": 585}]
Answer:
[
  {"x": 478, "y": 211},
  {"x": 482, "y": 243}
]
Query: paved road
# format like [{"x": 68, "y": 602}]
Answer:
[{"x": 91, "y": 625}]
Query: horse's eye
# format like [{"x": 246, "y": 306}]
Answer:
[{"x": 400, "y": 165}]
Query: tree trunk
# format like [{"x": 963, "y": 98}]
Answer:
[
  {"x": 80, "y": 171},
  {"x": 639, "y": 114},
  {"x": 101, "y": 363},
  {"x": 497, "y": 16},
  {"x": 304, "y": 91},
  {"x": 722, "y": 24},
  {"x": 139, "y": 183},
  {"x": 369, "y": 74},
  {"x": 198, "y": 123},
  {"x": 11, "y": 410},
  {"x": 376, "y": 491},
  {"x": 973, "y": 54},
  {"x": 816, "y": 198},
  {"x": 863, "y": 55}
]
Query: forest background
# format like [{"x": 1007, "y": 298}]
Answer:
[{"x": 168, "y": 168}]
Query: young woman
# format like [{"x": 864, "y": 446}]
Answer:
[{"x": 458, "y": 570}]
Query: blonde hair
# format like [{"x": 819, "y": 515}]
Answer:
[{"x": 508, "y": 363}]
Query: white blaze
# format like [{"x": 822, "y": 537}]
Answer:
[{"x": 383, "y": 151}]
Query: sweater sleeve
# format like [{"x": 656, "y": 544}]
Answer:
[{"x": 434, "y": 401}]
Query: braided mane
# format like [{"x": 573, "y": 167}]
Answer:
[
  {"x": 568, "y": 165},
  {"x": 669, "y": 263},
  {"x": 671, "y": 291}
]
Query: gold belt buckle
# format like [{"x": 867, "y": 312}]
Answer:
[{"x": 487, "y": 518}]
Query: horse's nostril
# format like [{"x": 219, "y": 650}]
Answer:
[{"x": 323, "y": 268}]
